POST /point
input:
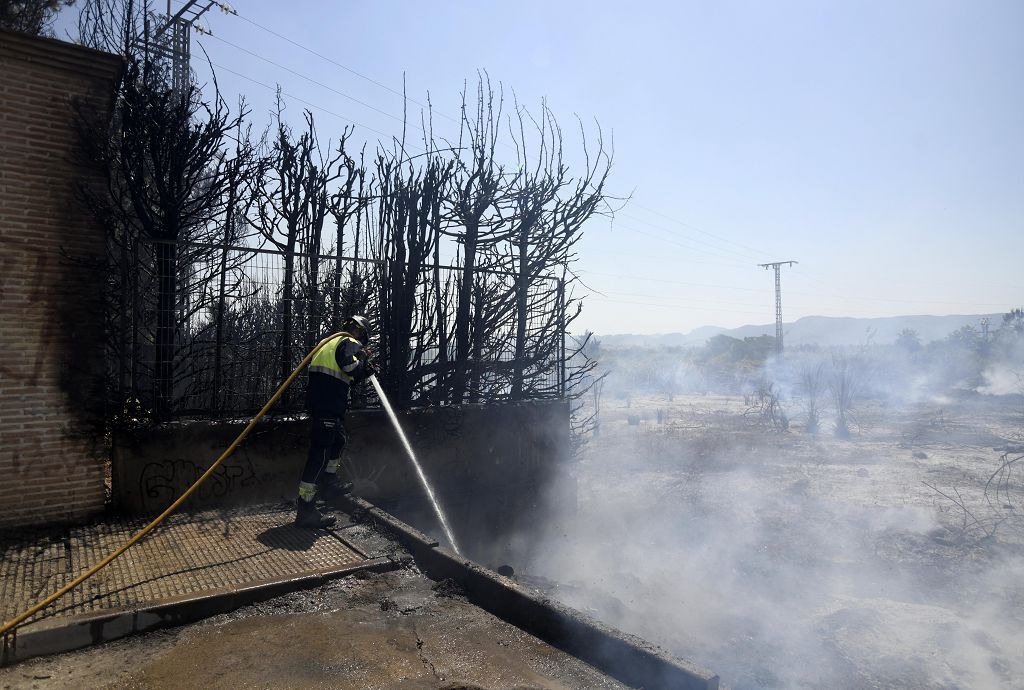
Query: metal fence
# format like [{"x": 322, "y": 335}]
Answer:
[{"x": 211, "y": 331}]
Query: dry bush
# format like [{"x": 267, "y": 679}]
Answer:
[
  {"x": 812, "y": 388},
  {"x": 844, "y": 385},
  {"x": 765, "y": 403},
  {"x": 1003, "y": 498}
]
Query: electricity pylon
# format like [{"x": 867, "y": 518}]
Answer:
[
  {"x": 172, "y": 39},
  {"x": 778, "y": 300}
]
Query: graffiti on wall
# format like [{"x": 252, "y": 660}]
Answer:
[{"x": 162, "y": 481}]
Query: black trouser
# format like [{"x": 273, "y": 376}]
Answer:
[{"x": 327, "y": 441}]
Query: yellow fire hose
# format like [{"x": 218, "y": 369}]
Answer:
[{"x": 20, "y": 618}]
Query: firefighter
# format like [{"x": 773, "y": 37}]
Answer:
[{"x": 344, "y": 360}]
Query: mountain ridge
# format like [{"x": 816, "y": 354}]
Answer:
[{"x": 825, "y": 331}]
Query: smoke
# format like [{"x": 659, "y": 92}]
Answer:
[
  {"x": 1004, "y": 372},
  {"x": 907, "y": 372},
  {"x": 1000, "y": 379},
  {"x": 1004, "y": 369},
  {"x": 715, "y": 520},
  {"x": 784, "y": 560}
]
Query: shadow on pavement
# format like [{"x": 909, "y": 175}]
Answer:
[{"x": 290, "y": 538}]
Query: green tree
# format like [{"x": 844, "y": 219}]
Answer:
[
  {"x": 909, "y": 340},
  {"x": 1013, "y": 320},
  {"x": 30, "y": 16},
  {"x": 966, "y": 337}
]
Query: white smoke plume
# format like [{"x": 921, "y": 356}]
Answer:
[{"x": 783, "y": 559}]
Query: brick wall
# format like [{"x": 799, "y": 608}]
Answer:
[{"x": 51, "y": 348}]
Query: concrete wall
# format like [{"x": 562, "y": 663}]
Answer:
[
  {"x": 51, "y": 319},
  {"x": 491, "y": 466}
]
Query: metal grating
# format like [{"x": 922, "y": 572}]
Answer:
[{"x": 189, "y": 554}]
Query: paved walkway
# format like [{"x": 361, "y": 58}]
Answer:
[{"x": 193, "y": 554}]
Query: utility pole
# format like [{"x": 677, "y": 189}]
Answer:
[
  {"x": 778, "y": 299},
  {"x": 173, "y": 38}
]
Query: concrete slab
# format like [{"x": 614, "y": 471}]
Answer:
[{"x": 370, "y": 630}]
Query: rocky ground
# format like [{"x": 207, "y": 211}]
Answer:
[{"x": 783, "y": 559}]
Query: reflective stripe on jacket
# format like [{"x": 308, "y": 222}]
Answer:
[{"x": 337, "y": 358}]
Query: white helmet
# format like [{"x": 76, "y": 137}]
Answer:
[{"x": 362, "y": 323}]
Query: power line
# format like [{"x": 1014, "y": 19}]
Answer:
[
  {"x": 664, "y": 280},
  {"x": 809, "y": 276},
  {"x": 230, "y": 10},
  {"x": 694, "y": 227},
  {"x": 692, "y": 239},
  {"x": 336, "y": 63},
  {"x": 682, "y": 306},
  {"x": 675, "y": 302},
  {"x": 404, "y": 121},
  {"x": 701, "y": 299},
  {"x": 299, "y": 45},
  {"x": 730, "y": 260},
  {"x": 717, "y": 252},
  {"x": 718, "y": 246},
  {"x": 714, "y": 251},
  {"x": 931, "y": 286},
  {"x": 791, "y": 292},
  {"x": 313, "y": 81},
  {"x": 674, "y": 307},
  {"x": 301, "y": 100}
]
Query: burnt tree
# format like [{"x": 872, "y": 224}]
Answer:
[
  {"x": 550, "y": 209},
  {"x": 349, "y": 205},
  {"x": 478, "y": 190},
  {"x": 409, "y": 213},
  {"x": 166, "y": 178},
  {"x": 290, "y": 206}
]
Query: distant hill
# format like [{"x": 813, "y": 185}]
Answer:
[{"x": 816, "y": 330}]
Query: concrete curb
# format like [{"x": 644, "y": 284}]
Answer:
[
  {"x": 627, "y": 658},
  {"x": 89, "y": 629}
]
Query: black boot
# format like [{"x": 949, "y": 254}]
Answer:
[
  {"x": 331, "y": 486},
  {"x": 309, "y": 516}
]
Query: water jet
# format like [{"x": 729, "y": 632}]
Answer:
[{"x": 415, "y": 463}]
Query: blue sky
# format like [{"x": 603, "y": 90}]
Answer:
[{"x": 880, "y": 144}]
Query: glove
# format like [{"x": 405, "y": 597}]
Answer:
[{"x": 368, "y": 368}]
